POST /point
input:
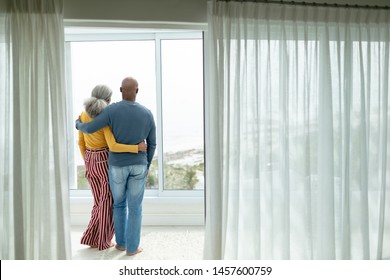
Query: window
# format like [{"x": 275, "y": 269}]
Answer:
[
  {"x": 182, "y": 111},
  {"x": 169, "y": 70}
]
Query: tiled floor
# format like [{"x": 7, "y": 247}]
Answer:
[{"x": 159, "y": 243}]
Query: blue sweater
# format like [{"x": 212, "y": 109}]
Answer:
[{"x": 130, "y": 123}]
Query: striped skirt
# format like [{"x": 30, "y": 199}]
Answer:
[{"x": 100, "y": 230}]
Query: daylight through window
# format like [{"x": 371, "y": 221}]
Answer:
[{"x": 169, "y": 70}]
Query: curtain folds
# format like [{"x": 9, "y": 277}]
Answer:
[
  {"x": 298, "y": 142},
  {"x": 34, "y": 172}
]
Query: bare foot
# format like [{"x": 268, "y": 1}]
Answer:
[
  {"x": 119, "y": 248},
  {"x": 139, "y": 250},
  {"x": 93, "y": 246}
]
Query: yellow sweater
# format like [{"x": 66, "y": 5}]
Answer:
[{"x": 101, "y": 139}]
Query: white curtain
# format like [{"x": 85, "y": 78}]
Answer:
[
  {"x": 298, "y": 145},
  {"x": 34, "y": 185}
]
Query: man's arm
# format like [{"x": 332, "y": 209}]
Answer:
[
  {"x": 151, "y": 142},
  {"x": 97, "y": 123}
]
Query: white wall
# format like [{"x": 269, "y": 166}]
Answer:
[
  {"x": 192, "y": 11},
  {"x": 351, "y": 2},
  {"x": 161, "y": 211}
]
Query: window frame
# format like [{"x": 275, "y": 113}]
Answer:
[{"x": 88, "y": 34}]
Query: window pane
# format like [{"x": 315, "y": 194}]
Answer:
[
  {"x": 108, "y": 63},
  {"x": 182, "y": 113}
]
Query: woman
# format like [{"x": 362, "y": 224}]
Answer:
[{"x": 94, "y": 149}]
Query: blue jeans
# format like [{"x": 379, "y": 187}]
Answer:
[{"x": 127, "y": 184}]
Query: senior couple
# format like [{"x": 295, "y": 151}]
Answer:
[{"x": 117, "y": 159}]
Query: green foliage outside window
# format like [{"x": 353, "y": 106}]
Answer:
[{"x": 178, "y": 176}]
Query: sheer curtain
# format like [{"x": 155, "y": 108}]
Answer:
[
  {"x": 298, "y": 142},
  {"x": 33, "y": 164}
]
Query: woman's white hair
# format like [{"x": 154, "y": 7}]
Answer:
[{"x": 100, "y": 97}]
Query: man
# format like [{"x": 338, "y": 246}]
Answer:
[{"x": 130, "y": 123}]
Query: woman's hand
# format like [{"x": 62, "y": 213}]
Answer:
[
  {"x": 142, "y": 146},
  {"x": 77, "y": 122}
]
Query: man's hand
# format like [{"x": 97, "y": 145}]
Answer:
[
  {"x": 142, "y": 146},
  {"x": 78, "y": 121}
]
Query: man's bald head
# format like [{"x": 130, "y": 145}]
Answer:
[{"x": 129, "y": 89}]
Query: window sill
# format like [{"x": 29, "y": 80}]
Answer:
[{"x": 157, "y": 211}]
